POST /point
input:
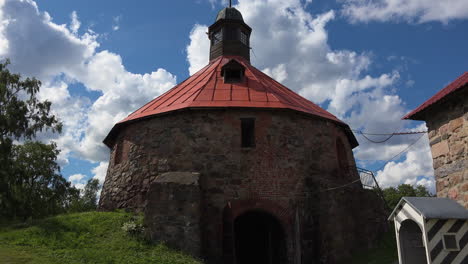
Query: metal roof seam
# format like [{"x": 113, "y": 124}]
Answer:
[
  {"x": 206, "y": 89},
  {"x": 202, "y": 88},
  {"x": 152, "y": 102},
  {"x": 199, "y": 78},
  {"x": 191, "y": 90}
]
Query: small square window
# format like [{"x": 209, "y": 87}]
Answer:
[
  {"x": 450, "y": 242},
  {"x": 248, "y": 132}
]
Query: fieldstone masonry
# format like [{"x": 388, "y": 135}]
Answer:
[
  {"x": 447, "y": 122},
  {"x": 188, "y": 172},
  {"x": 173, "y": 211}
]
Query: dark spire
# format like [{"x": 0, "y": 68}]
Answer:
[{"x": 229, "y": 34}]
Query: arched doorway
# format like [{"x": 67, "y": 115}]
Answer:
[
  {"x": 411, "y": 243},
  {"x": 259, "y": 238}
]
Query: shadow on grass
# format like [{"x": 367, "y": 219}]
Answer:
[{"x": 385, "y": 251}]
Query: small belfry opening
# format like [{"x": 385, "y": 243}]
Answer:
[
  {"x": 411, "y": 243},
  {"x": 259, "y": 238}
]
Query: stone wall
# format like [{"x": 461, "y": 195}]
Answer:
[
  {"x": 448, "y": 136},
  {"x": 287, "y": 174},
  {"x": 172, "y": 214}
]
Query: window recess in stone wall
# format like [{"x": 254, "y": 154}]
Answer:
[
  {"x": 342, "y": 158},
  {"x": 121, "y": 151},
  {"x": 248, "y": 132}
]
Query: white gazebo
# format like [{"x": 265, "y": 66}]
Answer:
[{"x": 431, "y": 231}]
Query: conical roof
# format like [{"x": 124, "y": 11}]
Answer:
[{"x": 207, "y": 89}]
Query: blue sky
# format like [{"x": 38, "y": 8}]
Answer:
[{"x": 368, "y": 62}]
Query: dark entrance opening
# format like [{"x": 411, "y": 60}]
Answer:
[
  {"x": 259, "y": 238},
  {"x": 411, "y": 243}
]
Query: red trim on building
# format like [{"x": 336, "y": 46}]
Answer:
[{"x": 459, "y": 83}]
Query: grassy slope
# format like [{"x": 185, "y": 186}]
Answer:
[{"x": 93, "y": 237}]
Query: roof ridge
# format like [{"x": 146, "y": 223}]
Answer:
[
  {"x": 455, "y": 85},
  {"x": 152, "y": 102}
]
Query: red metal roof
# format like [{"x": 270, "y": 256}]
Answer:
[
  {"x": 459, "y": 83},
  {"x": 206, "y": 89}
]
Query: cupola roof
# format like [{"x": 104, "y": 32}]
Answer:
[
  {"x": 208, "y": 89},
  {"x": 229, "y": 13}
]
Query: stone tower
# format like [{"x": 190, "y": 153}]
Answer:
[
  {"x": 446, "y": 116},
  {"x": 234, "y": 167}
]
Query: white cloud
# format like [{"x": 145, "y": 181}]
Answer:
[
  {"x": 291, "y": 45},
  {"x": 298, "y": 55},
  {"x": 116, "y": 22},
  {"x": 59, "y": 56},
  {"x": 198, "y": 49},
  {"x": 100, "y": 171},
  {"x": 75, "y": 23},
  {"x": 419, "y": 11},
  {"x": 78, "y": 181},
  {"x": 418, "y": 162}
]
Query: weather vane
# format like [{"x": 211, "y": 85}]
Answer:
[{"x": 230, "y": 3}]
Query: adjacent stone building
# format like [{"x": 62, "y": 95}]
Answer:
[
  {"x": 233, "y": 167},
  {"x": 446, "y": 116}
]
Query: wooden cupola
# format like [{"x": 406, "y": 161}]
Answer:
[{"x": 229, "y": 35}]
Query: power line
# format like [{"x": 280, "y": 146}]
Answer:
[
  {"x": 383, "y": 166},
  {"x": 363, "y": 134},
  {"x": 387, "y": 134},
  {"x": 378, "y": 141},
  {"x": 401, "y": 152},
  {"x": 341, "y": 186}
]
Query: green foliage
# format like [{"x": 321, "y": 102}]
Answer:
[
  {"x": 393, "y": 195},
  {"x": 91, "y": 237},
  {"x": 87, "y": 201},
  {"x": 135, "y": 227},
  {"x": 22, "y": 115},
  {"x": 36, "y": 187},
  {"x": 30, "y": 185}
]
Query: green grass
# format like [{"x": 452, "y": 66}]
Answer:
[
  {"x": 385, "y": 252},
  {"x": 92, "y": 237}
]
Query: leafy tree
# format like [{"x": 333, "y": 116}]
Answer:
[
  {"x": 30, "y": 184},
  {"x": 87, "y": 201},
  {"x": 37, "y": 188},
  {"x": 394, "y": 194}
]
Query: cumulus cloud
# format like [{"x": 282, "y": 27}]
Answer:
[
  {"x": 75, "y": 23},
  {"x": 298, "y": 55},
  {"x": 61, "y": 57},
  {"x": 78, "y": 181},
  {"x": 415, "y": 169},
  {"x": 198, "y": 49},
  {"x": 100, "y": 171},
  {"x": 419, "y": 11}
]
